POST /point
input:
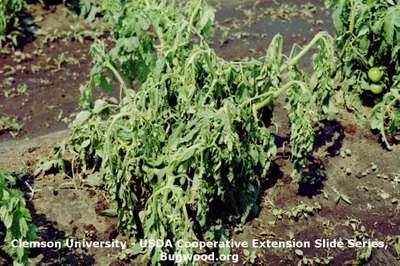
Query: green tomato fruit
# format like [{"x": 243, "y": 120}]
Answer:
[
  {"x": 375, "y": 74},
  {"x": 376, "y": 88}
]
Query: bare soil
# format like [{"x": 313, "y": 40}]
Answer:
[{"x": 52, "y": 67}]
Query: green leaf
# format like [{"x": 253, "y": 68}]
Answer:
[
  {"x": 392, "y": 23},
  {"x": 99, "y": 106},
  {"x": 23, "y": 227},
  {"x": 94, "y": 179},
  {"x": 7, "y": 219},
  {"x": 81, "y": 118},
  {"x": 112, "y": 211},
  {"x": 136, "y": 249}
]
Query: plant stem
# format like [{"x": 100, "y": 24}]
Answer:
[
  {"x": 387, "y": 108},
  {"x": 305, "y": 50},
  {"x": 120, "y": 79},
  {"x": 275, "y": 94}
]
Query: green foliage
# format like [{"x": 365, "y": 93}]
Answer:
[
  {"x": 89, "y": 9},
  {"x": 388, "y": 111},
  {"x": 368, "y": 35},
  {"x": 8, "y": 123},
  {"x": 140, "y": 29},
  {"x": 9, "y": 21},
  {"x": 15, "y": 217},
  {"x": 310, "y": 101},
  {"x": 186, "y": 153}
]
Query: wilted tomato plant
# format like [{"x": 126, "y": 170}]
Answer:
[{"x": 195, "y": 135}]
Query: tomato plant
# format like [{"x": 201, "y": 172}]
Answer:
[
  {"x": 368, "y": 35},
  {"x": 195, "y": 134},
  {"x": 15, "y": 217}
]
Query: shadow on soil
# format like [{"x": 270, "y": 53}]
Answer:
[
  {"x": 48, "y": 232},
  {"x": 25, "y": 31},
  {"x": 4, "y": 258},
  {"x": 53, "y": 256},
  {"x": 274, "y": 174},
  {"x": 330, "y": 137},
  {"x": 312, "y": 182}
]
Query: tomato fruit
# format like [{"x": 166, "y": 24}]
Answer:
[
  {"x": 376, "y": 88},
  {"x": 375, "y": 74}
]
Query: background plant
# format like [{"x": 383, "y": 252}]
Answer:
[
  {"x": 88, "y": 9},
  {"x": 10, "y": 23}
]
